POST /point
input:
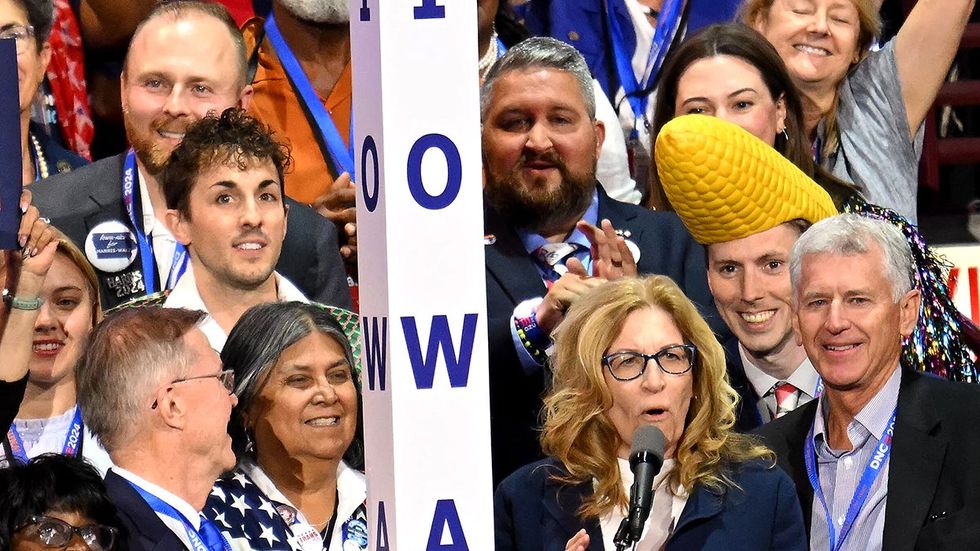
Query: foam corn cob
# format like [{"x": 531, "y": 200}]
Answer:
[{"x": 726, "y": 184}]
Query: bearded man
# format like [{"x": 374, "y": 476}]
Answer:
[{"x": 541, "y": 141}]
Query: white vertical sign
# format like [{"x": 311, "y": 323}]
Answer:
[{"x": 421, "y": 267}]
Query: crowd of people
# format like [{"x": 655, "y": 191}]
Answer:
[{"x": 699, "y": 216}]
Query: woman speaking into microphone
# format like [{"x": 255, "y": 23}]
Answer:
[{"x": 635, "y": 352}]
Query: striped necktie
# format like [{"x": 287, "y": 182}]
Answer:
[{"x": 787, "y": 396}]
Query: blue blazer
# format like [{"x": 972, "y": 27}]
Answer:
[
  {"x": 666, "y": 247},
  {"x": 534, "y": 512},
  {"x": 583, "y": 24}
]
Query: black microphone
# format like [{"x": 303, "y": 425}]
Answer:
[{"x": 646, "y": 459}]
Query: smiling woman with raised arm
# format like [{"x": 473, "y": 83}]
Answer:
[
  {"x": 296, "y": 433},
  {"x": 864, "y": 110},
  {"x": 635, "y": 352}
]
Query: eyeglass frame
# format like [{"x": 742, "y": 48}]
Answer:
[
  {"x": 20, "y": 44},
  {"x": 36, "y": 520},
  {"x": 226, "y": 377},
  {"x": 691, "y": 349}
]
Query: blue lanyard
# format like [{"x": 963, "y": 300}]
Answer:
[
  {"x": 638, "y": 93},
  {"x": 164, "y": 508},
  {"x": 501, "y": 49},
  {"x": 342, "y": 156},
  {"x": 179, "y": 264},
  {"x": 878, "y": 459},
  {"x": 72, "y": 445}
]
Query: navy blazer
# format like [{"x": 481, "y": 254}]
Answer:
[
  {"x": 584, "y": 25},
  {"x": 747, "y": 416},
  {"x": 933, "y": 484},
  {"x": 78, "y": 201},
  {"x": 146, "y": 532},
  {"x": 535, "y": 512},
  {"x": 666, "y": 248}
]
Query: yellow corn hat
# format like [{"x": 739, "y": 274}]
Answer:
[{"x": 726, "y": 184}]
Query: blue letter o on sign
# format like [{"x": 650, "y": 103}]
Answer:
[
  {"x": 454, "y": 171},
  {"x": 370, "y": 199}
]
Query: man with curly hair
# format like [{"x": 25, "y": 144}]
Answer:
[{"x": 225, "y": 204}]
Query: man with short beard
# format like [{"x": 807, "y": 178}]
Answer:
[
  {"x": 186, "y": 60},
  {"x": 303, "y": 51},
  {"x": 543, "y": 248}
]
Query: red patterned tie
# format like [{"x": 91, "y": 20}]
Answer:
[{"x": 787, "y": 397}]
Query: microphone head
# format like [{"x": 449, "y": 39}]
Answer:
[{"x": 648, "y": 440}]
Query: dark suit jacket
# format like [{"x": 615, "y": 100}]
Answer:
[
  {"x": 146, "y": 532},
  {"x": 747, "y": 415},
  {"x": 933, "y": 483},
  {"x": 534, "y": 512},
  {"x": 666, "y": 248},
  {"x": 584, "y": 25},
  {"x": 78, "y": 201}
]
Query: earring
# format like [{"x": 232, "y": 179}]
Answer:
[
  {"x": 249, "y": 444},
  {"x": 785, "y": 134}
]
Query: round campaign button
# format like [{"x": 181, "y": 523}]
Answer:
[{"x": 111, "y": 246}]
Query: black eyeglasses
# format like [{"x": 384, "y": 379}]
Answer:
[
  {"x": 53, "y": 532},
  {"x": 226, "y": 378},
  {"x": 674, "y": 360},
  {"x": 21, "y": 35}
]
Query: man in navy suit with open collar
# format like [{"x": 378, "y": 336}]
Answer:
[
  {"x": 543, "y": 249},
  {"x": 891, "y": 450}
]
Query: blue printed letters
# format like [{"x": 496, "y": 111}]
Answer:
[
  {"x": 454, "y": 171},
  {"x": 446, "y": 517},
  {"x": 375, "y": 351},
  {"x": 424, "y": 368}
]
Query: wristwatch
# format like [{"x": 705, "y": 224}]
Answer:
[{"x": 18, "y": 303}]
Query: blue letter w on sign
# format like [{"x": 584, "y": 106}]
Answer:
[
  {"x": 424, "y": 368},
  {"x": 375, "y": 345}
]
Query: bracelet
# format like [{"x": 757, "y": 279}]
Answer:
[
  {"x": 18, "y": 303},
  {"x": 534, "y": 340}
]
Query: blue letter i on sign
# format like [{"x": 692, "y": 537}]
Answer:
[
  {"x": 429, "y": 10},
  {"x": 365, "y": 11}
]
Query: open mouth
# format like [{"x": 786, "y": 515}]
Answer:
[
  {"x": 812, "y": 50},
  {"x": 840, "y": 347},
  {"x": 323, "y": 421},
  {"x": 655, "y": 412},
  {"x": 171, "y": 135},
  {"x": 758, "y": 317},
  {"x": 47, "y": 348},
  {"x": 250, "y": 246}
]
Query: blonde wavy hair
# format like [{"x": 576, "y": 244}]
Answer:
[
  {"x": 869, "y": 29},
  {"x": 577, "y": 430}
]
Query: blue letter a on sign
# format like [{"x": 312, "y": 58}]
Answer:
[
  {"x": 424, "y": 368},
  {"x": 382, "y": 528},
  {"x": 375, "y": 345},
  {"x": 446, "y": 517}
]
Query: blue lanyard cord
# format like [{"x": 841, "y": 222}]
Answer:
[
  {"x": 341, "y": 155},
  {"x": 876, "y": 463},
  {"x": 637, "y": 92},
  {"x": 71, "y": 448},
  {"x": 164, "y": 508},
  {"x": 179, "y": 264}
]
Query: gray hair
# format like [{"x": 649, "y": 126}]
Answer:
[
  {"x": 129, "y": 355},
  {"x": 256, "y": 343},
  {"x": 540, "y": 52},
  {"x": 854, "y": 234}
]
